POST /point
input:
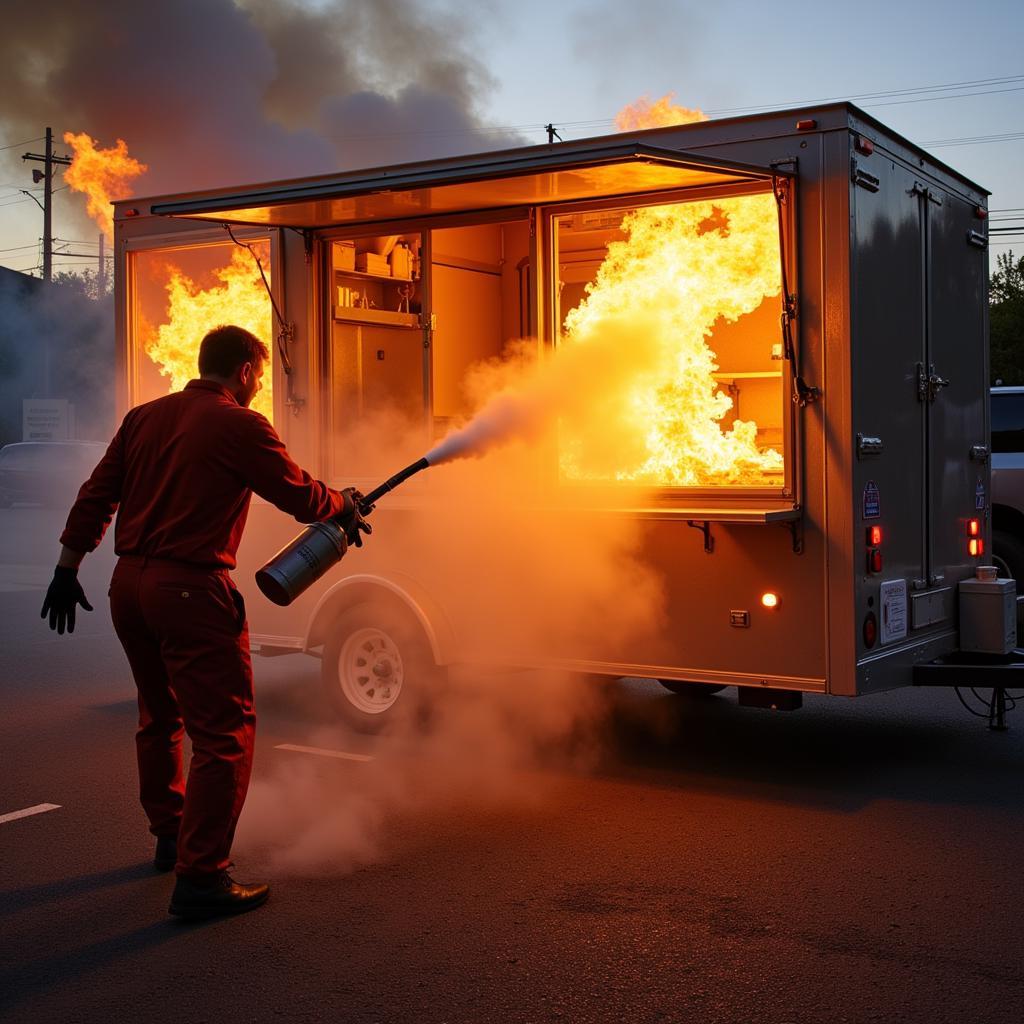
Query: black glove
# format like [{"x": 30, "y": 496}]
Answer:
[
  {"x": 62, "y": 596},
  {"x": 351, "y": 518}
]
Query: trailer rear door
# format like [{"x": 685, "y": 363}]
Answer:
[{"x": 956, "y": 380}]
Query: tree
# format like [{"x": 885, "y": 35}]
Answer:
[
  {"x": 86, "y": 282},
  {"x": 1006, "y": 319}
]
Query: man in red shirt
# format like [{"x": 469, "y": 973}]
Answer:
[{"x": 180, "y": 472}]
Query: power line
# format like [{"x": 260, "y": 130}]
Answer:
[
  {"x": 975, "y": 140},
  {"x": 15, "y": 145}
]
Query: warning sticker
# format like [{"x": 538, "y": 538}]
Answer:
[
  {"x": 893, "y": 599},
  {"x": 979, "y": 496},
  {"x": 872, "y": 504}
]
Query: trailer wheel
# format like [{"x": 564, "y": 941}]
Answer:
[
  {"x": 378, "y": 668},
  {"x": 695, "y": 690},
  {"x": 1008, "y": 554}
]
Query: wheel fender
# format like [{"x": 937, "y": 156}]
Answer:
[{"x": 400, "y": 589}]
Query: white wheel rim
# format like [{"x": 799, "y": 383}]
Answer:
[{"x": 370, "y": 670}]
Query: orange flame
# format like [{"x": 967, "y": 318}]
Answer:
[
  {"x": 678, "y": 272},
  {"x": 102, "y": 175},
  {"x": 240, "y": 299},
  {"x": 659, "y": 114}
]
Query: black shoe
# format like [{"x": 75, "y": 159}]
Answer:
[
  {"x": 221, "y": 895},
  {"x": 166, "y": 855}
]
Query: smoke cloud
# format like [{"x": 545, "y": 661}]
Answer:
[
  {"x": 216, "y": 92},
  {"x": 60, "y": 325},
  {"x": 524, "y": 580}
]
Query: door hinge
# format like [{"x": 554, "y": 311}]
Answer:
[
  {"x": 929, "y": 384},
  {"x": 978, "y": 239},
  {"x": 979, "y": 453},
  {"x": 863, "y": 178},
  {"x": 921, "y": 189}
]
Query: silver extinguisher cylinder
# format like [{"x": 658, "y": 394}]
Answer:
[{"x": 299, "y": 564}]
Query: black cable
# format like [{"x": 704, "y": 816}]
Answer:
[
  {"x": 969, "y": 709},
  {"x": 286, "y": 363}
]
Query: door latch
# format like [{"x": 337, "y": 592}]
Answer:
[{"x": 929, "y": 384}]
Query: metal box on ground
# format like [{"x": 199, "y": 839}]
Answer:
[{"x": 988, "y": 616}]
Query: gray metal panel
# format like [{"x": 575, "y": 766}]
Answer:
[{"x": 958, "y": 416}]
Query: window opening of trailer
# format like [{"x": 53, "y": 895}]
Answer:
[
  {"x": 180, "y": 293},
  {"x": 682, "y": 301}
]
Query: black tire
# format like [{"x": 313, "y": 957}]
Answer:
[
  {"x": 378, "y": 669},
  {"x": 693, "y": 690},
  {"x": 1008, "y": 554}
]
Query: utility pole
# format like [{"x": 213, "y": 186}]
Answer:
[
  {"x": 101, "y": 273},
  {"x": 47, "y": 159}
]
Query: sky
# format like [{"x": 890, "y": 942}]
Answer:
[{"x": 211, "y": 92}]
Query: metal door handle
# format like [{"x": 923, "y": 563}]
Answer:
[{"x": 935, "y": 385}]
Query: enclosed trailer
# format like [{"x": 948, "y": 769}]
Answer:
[{"x": 825, "y": 558}]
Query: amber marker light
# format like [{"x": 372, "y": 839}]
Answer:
[{"x": 770, "y": 600}]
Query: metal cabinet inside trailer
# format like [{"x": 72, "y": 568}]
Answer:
[{"x": 851, "y": 379}]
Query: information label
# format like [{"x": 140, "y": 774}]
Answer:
[
  {"x": 893, "y": 599},
  {"x": 872, "y": 504}
]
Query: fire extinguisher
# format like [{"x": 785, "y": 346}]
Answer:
[{"x": 300, "y": 563}]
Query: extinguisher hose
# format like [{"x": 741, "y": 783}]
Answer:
[{"x": 367, "y": 502}]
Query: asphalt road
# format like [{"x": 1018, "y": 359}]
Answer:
[{"x": 653, "y": 859}]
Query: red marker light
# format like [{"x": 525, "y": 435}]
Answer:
[
  {"x": 976, "y": 547},
  {"x": 806, "y": 124},
  {"x": 874, "y": 560},
  {"x": 870, "y": 630},
  {"x": 864, "y": 145},
  {"x": 973, "y": 528},
  {"x": 874, "y": 536}
]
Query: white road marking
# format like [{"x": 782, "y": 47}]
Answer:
[
  {"x": 27, "y": 812},
  {"x": 342, "y": 755},
  {"x": 18, "y": 578}
]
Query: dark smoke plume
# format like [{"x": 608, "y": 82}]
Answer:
[{"x": 215, "y": 92}]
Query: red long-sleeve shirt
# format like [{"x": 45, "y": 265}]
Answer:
[{"x": 180, "y": 472}]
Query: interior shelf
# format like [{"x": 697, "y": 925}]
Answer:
[
  {"x": 385, "y": 317},
  {"x": 749, "y": 375},
  {"x": 365, "y": 275}
]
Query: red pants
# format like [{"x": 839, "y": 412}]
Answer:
[{"x": 184, "y": 631}]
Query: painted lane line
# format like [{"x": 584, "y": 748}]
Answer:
[
  {"x": 342, "y": 755},
  {"x": 27, "y": 812}
]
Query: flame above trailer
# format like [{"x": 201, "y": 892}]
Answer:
[
  {"x": 660, "y": 114},
  {"x": 101, "y": 175},
  {"x": 238, "y": 297}
]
